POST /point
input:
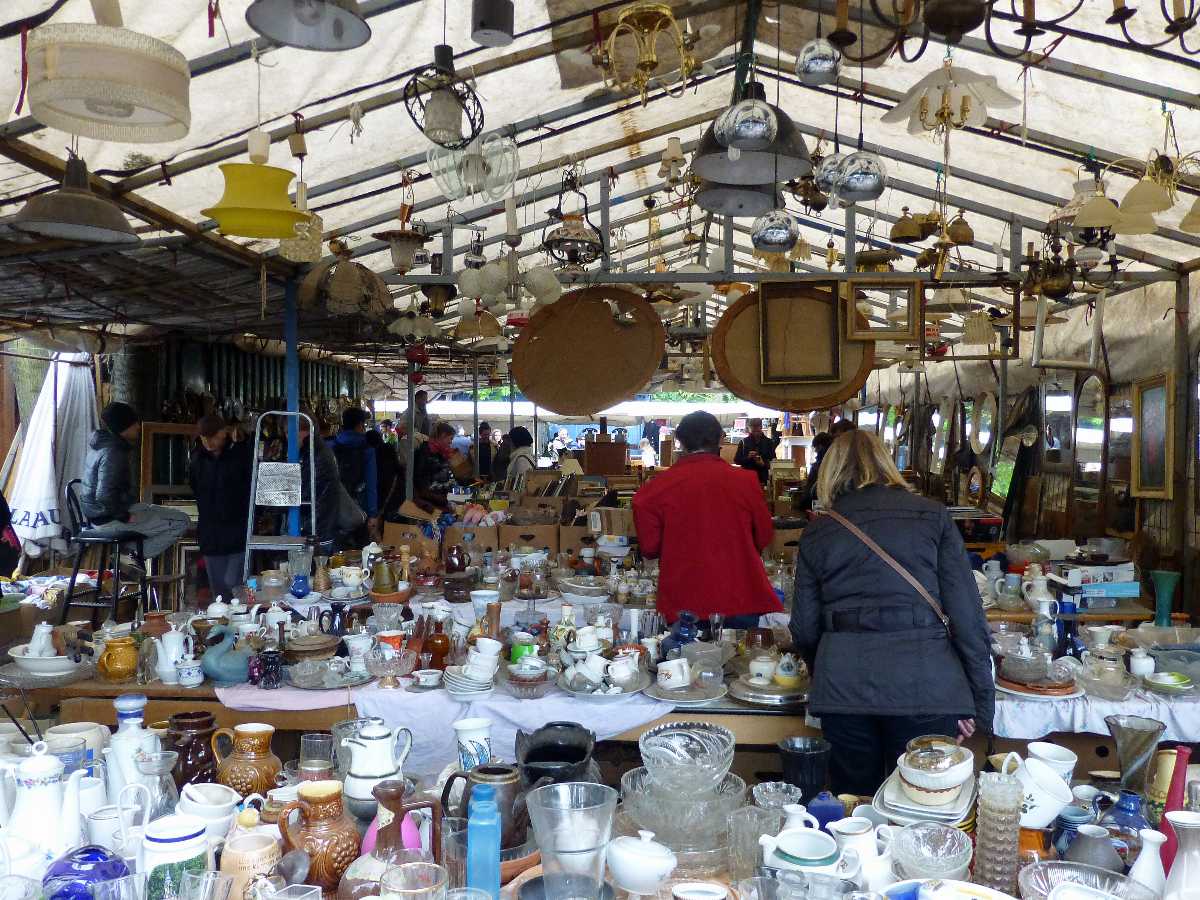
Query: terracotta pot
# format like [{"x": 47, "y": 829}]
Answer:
[
  {"x": 155, "y": 624},
  {"x": 251, "y": 768},
  {"x": 119, "y": 661},
  {"x": 191, "y": 734},
  {"x": 326, "y": 833}
]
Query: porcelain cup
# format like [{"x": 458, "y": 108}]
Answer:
[
  {"x": 586, "y": 638},
  {"x": 624, "y": 668},
  {"x": 488, "y": 646},
  {"x": 1045, "y": 793},
  {"x": 595, "y": 667},
  {"x": 674, "y": 674},
  {"x": 1060, "y": 759}
]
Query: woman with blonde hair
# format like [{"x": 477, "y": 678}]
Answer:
[{"x": 887, "y": 616}]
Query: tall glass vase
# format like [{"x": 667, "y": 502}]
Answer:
[
  {"x": 998, "y": 831},
  {"x": 1165, "y": 584},
  {"x": 1137, "y": 739},
  {"x": 1183, "y": 881}
]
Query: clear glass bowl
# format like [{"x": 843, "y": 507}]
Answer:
[
  {"x": 776, "y": 794},
  {"x": 1039, "y": 879},
  {"x": 930, "y": 850},
  {"x": 682, "y": 822},
  {"x": 687, "y": 757}
]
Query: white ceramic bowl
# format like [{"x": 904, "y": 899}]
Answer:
[
  {"x": 946, "y": 778},
  {"x": 41, "y": 665},
  {"x": 930, "y": 796}
]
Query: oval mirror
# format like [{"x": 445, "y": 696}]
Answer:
[
  {"x": 1088, "y": 470},
  {"x": 942, "y": 420},
  {"x": 887, "y": 428},
  {"x": 984, "y": 423},
  {"x": 975, "y": 487},
  {"x": 904, "y": 440}
]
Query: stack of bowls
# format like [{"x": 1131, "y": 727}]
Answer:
[
  {"x": 529, "y": 679},
  {"x": 934, "y": 770},
  {"x": 932, "y": 850}
]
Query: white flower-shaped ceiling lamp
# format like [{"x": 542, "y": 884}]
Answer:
[
  {"x": 949, "y": 98},
  {"x": 486, "y": 168},
  {"x": 106, "y": 82}
]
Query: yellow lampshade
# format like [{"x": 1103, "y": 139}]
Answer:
[
  {"x": 1191, "y": 222},
  {"x": 1135, "y": 223},
  {"x": 1099, "y": 212},
  {"x": 1147, "y": 196},
  {"x": 255, "y": 203}
]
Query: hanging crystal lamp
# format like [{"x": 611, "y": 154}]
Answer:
[
  {"x": 774, "y": 232},
  {"x": 783, "y": 158},
  {"x": 329, "y": 25},
  {"x": 74, "y": 213},
  {"x": 819, "y": 63},
  {"x": 107, "y": 83}
]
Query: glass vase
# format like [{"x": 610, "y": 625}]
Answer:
[{"x": 998, "y": 831}]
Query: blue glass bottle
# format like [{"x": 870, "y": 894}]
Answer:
[
  {"x": 483, "y": 841},
  {"x": 1124, "y": 821}
]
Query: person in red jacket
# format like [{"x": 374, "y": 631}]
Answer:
[{"x": 707, "y": 524}]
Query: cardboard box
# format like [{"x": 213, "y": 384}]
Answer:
[
  {"x": 612, "y": 520},
  {"x": 786, "y": 541},
  {"x": 554, "y": 503},
  {"x": 783, "y": 507},
  {"x": 572, "y": 538},
  {"x": 397, "y": 534},
  {"x": 478, "y": 540},
  {"x": 539, "y": 478},
  {"x": 536, "y": 536}
]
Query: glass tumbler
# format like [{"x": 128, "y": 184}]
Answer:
[
  {"x": 413, "y": 881},
  {"x": 746, "y": 826},
  {"x": 205, "y": 886},
  {"x": 454, "y": 850},
  {"x": 131, "y": 887},
  {"x": 316, "y": 756},
  {"x": 572, "y": 824}
]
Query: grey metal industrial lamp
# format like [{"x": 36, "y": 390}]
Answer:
[
  {"x": 492, "y": 22},
  {"x": 74, "y": 213},
  {"x": 327, "y": 25},
  {"x": 738, "y": 200},
  {"x": 727, "y": 159}
]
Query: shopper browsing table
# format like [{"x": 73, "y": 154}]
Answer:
[
  {"x": 756, "y": 452},
  {"x": 219, "y": 473},
  {"x": 885, "y": 668},
  {"x": 706, "y": 523}
]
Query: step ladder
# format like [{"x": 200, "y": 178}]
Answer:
[{"x": 279, "y": 485}]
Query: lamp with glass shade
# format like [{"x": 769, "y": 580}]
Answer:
[
  {"x": 442, "y": 104},
  {"x": 1146, "y": 197}
]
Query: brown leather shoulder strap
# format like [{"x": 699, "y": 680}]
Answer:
[{"x": 891, "y": 561}]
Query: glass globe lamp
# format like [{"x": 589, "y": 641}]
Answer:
[
  {"x": 819, "y": 63},
  {"x": 774, "y": 232}
]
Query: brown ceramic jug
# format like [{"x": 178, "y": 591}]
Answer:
[
  {"x": 192, "y": 734},
  {"x": 251, "y": 768},
  {"x": 510, "y": 799},
  {"x": 119, "y": 661},
  {"x": 326, "y": 833}
]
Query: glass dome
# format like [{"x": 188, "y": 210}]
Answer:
[
  {"x": 826, "y": 175},
  {"x": 774, "y": 232},
  {"x": 819, "y": 63},
  {"x": 860, "y": 178},
  {"x": 747, "y": 125}
]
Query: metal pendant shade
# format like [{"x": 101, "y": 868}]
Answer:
[
  {"x": 775, "y": 232},
  {"x": 738, "y": 200},
  {"x": 255, "y": 203},
  {"x": 861, "y": 178},
  {"x": 74, "y": 213},
  {"x": 108, "y": 83},
  {"x": 784, "y": 158},
  {"x": 819, "y": 63},
  {"x": 492, "y": 22},
  {"x": 327, "y": 25}
]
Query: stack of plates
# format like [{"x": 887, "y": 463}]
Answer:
[
  {"x": 891, "y": 801},
  {"x": 464, "y": 688},
  {"x": 1169, "y": 683}
]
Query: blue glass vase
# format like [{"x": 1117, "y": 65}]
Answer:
[
  {"x": 684, "y": 631},
  {"x": 1124, "y": 820}
]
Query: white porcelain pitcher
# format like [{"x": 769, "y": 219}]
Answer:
[
  {"x": 46, "y": 811},
  {"x": 872, "y": 843}
]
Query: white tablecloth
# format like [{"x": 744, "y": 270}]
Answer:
[
  {"x": 1032, "y": 719},
  {"x": 430, "y": 715}
]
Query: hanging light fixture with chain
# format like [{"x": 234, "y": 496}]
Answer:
[
  {"x": 629, "y": 57},
  {"x": 442, "y": 105}
]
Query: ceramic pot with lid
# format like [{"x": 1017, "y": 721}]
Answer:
[{"x": 640, "y": 865}]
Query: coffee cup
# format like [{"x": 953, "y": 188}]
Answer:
[
  {"x": 1045, "y": 793},
  {"x": 674, "y": 674},
  {"x": 488, "y": 646},
  {"x": 762, "y": 668},
  {"x": 1060, "y": 759},
  {"x": 624, "y": 668},
  {"x": 594, "y": 667},
  {"x": 586, "y": 638}
]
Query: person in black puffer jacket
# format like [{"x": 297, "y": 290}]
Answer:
[
  {"x": 885, "y": 668},
  {"x": 106, "y": 494},
  {"x": 220, "y": 477}
]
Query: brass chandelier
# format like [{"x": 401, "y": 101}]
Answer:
[
  {"x": 639, "y": 27},
  {"x": 912, "y": 22}
]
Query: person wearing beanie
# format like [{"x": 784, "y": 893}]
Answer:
[
  {"x": 107, "y": 496},
  {"x": 219, "y": 472}
]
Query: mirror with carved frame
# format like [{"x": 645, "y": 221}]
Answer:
[{"x": 983, "y": 423}]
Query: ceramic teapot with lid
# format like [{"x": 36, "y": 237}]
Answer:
[
  {"x": 377, "y": 753},
  {"x": 217, "y": 609},
  {"x": 46, "y": 808},
  {"x": 640, "y": 865}
]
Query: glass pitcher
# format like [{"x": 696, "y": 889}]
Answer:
[{"x": 299, "y": 568}]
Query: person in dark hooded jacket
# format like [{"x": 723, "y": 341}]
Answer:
[
  {"x": 328, "y": 491},
  {"x": 220, "y": 477},
  {"x": 388, "y": 473},
  {"x": 356, "y": 461},
  {"x": 106, "y": 493}
]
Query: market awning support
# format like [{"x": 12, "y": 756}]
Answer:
[
  {"x": 1181, "y": 451},
  {"x": 291, "y": 369}
]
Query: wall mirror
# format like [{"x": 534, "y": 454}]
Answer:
[
  {"x": 1058, "y": 423},
  {"x": 983, "y": 423},
  {"x": 867, "y": 419},
  {"x": 943, "y": 421},
  {"x": 1119, "y": 505},
  {"x": 1002, "y": 474},
  {"x": 904, "y": 436},
  {"x": 1087, "y": 480},
  {"x": 887, "y": 428},
  {"x": 974, "y": 487},
  {"x": 968, "y": 423}
]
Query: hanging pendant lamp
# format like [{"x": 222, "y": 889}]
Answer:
[
  {"x": 1147, "y": 196},
  {"x": 819, "y": 63},
  {"x": 783, "y": 158},
  {"x": 774, "y": 232},
  {"x": 108, "y": 83},
  {"x": 738, "y": 200},
  {"x": 255, "y": 203},
  {"x": 1130, "y": 223},
  {"x": 305, "y": 247},
  {"x": 328, "y": 25},
  {"x": 1191, "y": 222},
  {"x": 74, "y": 213}
]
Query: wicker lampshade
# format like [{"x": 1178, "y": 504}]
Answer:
[
  {"x": 108, "y": 83},
  {"x": 255, "y": 203}
]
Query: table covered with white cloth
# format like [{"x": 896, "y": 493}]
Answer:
[{"x": 1027, "y": 720}]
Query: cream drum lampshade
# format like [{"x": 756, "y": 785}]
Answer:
[{"x": 108, "y": 83}]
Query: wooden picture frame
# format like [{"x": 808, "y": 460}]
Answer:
[
  {"x": 805, "y": 325},
  {"x": 1153, "y": 429},
  {"x": 907, "y": 331}
]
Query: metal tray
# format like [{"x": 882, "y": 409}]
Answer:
[{"x": 765, "y": 695}]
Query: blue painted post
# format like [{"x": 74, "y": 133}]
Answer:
[{"x": 291, "y": 329}]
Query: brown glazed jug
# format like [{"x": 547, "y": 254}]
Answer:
[
  {"x": 251, "y": 767},
  {"x": 326, "y": 833},
  {"x": 192, "y": 734},
  {"x": 362, "y": 878}
]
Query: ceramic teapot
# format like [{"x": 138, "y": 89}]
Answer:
[
  {"x": 240, "y": 614},
  {"x": 1037, "y": 592},
  {"x": 170, "y": 649},
  {"x": 276, "y": 615},
  {"x": 510, "y": 799},
  {"x": 377, "y": 753},
  {"x": 559, "y": 751},
  {"x": 217, "y": 609},
  {"x": 42, "y": 641},
  {"x": 46, "y": 808}
]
